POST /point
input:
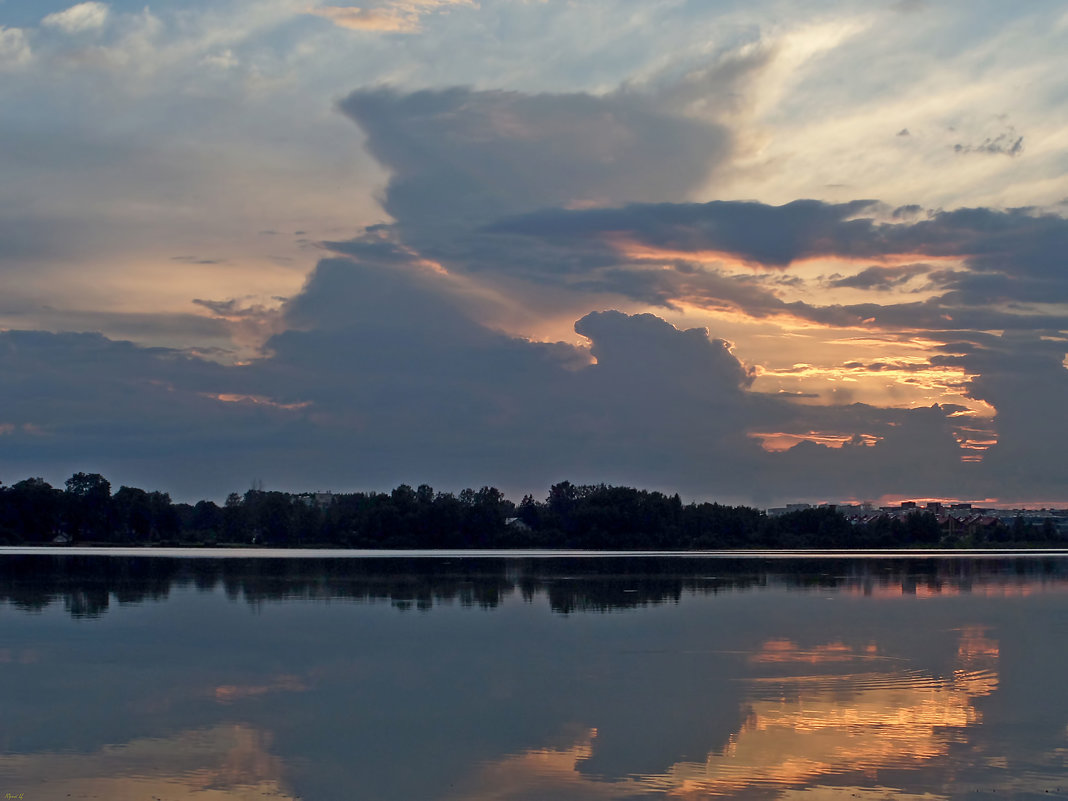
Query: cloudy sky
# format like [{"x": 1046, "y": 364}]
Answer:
[{"x": 751, "y": 251}]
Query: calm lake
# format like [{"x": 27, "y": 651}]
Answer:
[{"x": 521, "y": 678}]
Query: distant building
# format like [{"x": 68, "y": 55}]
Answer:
[
  {"x": 790, "y": 507},
  {"x": 318, "y": 499}
]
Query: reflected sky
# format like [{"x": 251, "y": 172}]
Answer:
[
  {"x": 224, "y": 763},
  {"x": 518, "y": 682},
  {"x": 798, "y": 729}
]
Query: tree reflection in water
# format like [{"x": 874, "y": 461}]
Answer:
[
  {"x": 511, "y": 679},
  {"x": 87, "y": 585}
]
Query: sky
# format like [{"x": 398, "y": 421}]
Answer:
[{"x": 755, "y": 252}]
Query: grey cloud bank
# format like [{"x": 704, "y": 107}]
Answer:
[
  {"x": 413, "y": 352},
  {"x": 383, "y": 396}
]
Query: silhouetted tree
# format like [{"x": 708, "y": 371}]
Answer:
[
  {"x": 88, "y": 506},
  {"x": 32, "y": 511},
  {"x": 207, "y": 519},
  {"x": 236, "y": 526},
  {"x": 594, "y": 516},
  {"x": 133, "y": 514}
]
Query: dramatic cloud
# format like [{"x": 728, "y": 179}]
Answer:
[
  {"x": 703, "y": 255},
  {"x": 1010, "y": 255},
  {"x": 460, "y": 157},
  {"x": 378, "y": 382},
  {"x": 555, "y": 247},
  {"x": 768, "y": 236},
  {"x": 381, "y": 376},
  {"x": 417, "y": 371},
  {"x": 776, "y": 236},
  {"x": 1025, "y": 378}
]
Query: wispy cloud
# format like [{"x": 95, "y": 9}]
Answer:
[
  {"x": 82, "y": 17},
  {"x": 880, "y": 278},
  {"x": 14, "y": 49},
  {"x": 402, "y": 16},
  {"x": 1005, "y": 144}
]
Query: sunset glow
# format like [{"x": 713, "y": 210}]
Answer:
[{"x": 471, "y": 243}]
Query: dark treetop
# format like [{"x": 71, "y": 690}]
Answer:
[{"x": 596, "y": 517}]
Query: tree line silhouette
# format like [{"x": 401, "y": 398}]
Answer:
[{"x": 595, "y": 517}]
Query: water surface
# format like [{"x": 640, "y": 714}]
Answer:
[{"x": 521, "y": 678}]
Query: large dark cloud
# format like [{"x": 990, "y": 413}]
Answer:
[
  {"x": 769, "y": 236},
  {"x": 1024, "y": 377},
  {"x": 1014, "y": 256},
  {"x": 392, "y": 386},
  {"x": 1021, "y": 241},
  {"x": 460, "y": 157},
  {"x": 460, "y": 160},
  {"x": 484, "y": 183},
  {"x": 658, "y": 406},
  {"x": 916, "y": 455},
  {"x": 488, "y": 183},
  {"x": 381, "y": 380},
  {"x": 411, "y": 380},
  {"x": 387, "y": 372},
  {"x": 82, "y": 401}
]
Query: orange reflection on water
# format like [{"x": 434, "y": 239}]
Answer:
[
  {"x": 547, "y": 772},
  {"x": 788, "y": 651},
  {"x": 799, "y": 730},
  {"x": 821, "y": 793},
  {"x": 224, "y": 763},
  {"x": 228, "y": 693},
  {"x": 838, "y": 724},
  {"x": 975, "y": 646},
  {"x": 792, "y": 742},
  {"x": 987, "y": 588}
]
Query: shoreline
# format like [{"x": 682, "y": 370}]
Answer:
[{"x": 517, "y": 553}]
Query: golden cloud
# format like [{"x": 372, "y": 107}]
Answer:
[{"x": 396, "y": 17}]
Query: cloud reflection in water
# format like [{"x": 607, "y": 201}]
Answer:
[
  {"x": 800, "y": 729},
  {"x": 224, "y": 763}
]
